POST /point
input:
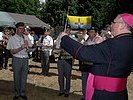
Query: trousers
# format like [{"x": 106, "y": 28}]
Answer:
[
  {"x": 64, "y": 75},
  {"x": 20, "y": 72}
]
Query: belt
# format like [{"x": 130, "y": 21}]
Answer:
[
  {"x": 110, "y": 84},
  {"x": 21, "y": 56},
  {"x": 104, "y": 83},
  {"x": 65, "y": 57}
]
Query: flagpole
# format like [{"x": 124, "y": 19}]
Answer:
[{"x": 66, "y": 18}]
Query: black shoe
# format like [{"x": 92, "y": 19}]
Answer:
[
  {"x": 60, "y": 94},
  {"x": 44, "y": 74},
  {"x": 28, "y": 72},
  {"x": 82, "y": 99},
  {"x": 24, "y": 97},
  {"x": 5, "y": 68},
  {"x": 66, "y": 95},
  {"x": 15, "y": 97},
  {"x": 1, "y": 67}
]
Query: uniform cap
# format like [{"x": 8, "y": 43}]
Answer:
[
  {"x": 19, "y": 24},
  {"x": 93, "y": 28}
]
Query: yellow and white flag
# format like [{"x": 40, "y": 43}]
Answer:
[{"x": 79, "y": 22}]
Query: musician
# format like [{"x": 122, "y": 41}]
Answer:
[
  {"x": 18, "y": 45},
  {"x": 46, "y": 44},
  {"x": 1, "y": 49},
  {"x": 6, "y": 36},
  {"x": 64, "y": 66}
]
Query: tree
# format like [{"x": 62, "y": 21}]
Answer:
[
  {"x": 31, "y": 7},
  {"x": 125, "y": 5},
  {"x": 55, "y": 11},
  {"x": 102, "y": 12}
]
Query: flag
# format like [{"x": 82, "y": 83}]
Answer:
[{"x": 79, "y": 22}]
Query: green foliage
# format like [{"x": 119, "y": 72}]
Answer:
[
  {"x": 31, "y": 7},
  {"x": 54, "y": 12},
  {"x": 102, "y": 11}
]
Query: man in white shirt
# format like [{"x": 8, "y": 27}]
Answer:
[
  {"x": 46, "y": 42},
  {"x": 1, "y": 48},
  {"x": 18, "y": 45},
  {"x": 31, "y": 38}
]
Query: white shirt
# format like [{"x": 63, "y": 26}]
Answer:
[
  {"x": 47, "y": 41},
  {"x": 31, "y": 38},
  {"x": 15, "y": 42},
  {"x": 1, "y": 34},
  {"x": 58, "y": 40}
]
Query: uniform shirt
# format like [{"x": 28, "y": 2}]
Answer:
[
  {"x": 58, "y": 40},
  {"x": 1, "y": 39},
  {"x": 1, "y": 34},
  {"x": 47, "y": 40},
  {"x": 31, "y": 38},
  {"x": 15, "y": 42},
  {"x": 85, "y": 37},
  {"x": 63, "y": 53}
]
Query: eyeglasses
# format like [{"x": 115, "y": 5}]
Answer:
[{"x": 115, "y": 22}]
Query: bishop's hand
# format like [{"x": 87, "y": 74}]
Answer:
[{"x": 63, "y": 34}]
